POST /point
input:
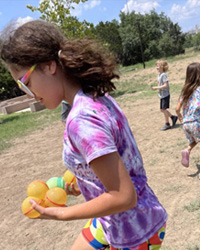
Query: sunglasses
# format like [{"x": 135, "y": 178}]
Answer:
[{"x": 21, "y": 82}]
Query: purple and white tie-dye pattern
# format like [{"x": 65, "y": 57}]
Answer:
[{"x": 96, "y": 128}]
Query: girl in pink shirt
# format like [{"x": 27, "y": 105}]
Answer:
[{"x": 99, "y": 147}]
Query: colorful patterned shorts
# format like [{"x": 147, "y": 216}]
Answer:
[
  {"x": 192, "y": 131},
  {"x": 93, "y": 233}
]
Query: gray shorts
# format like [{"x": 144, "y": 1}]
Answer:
[{"x": 164, "y": 102}]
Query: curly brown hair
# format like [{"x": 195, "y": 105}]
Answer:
[
  {"x": 38, "y": 41},
  {"x": 192, "y": 81}
]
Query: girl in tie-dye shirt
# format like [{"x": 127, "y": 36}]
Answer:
[
  {"x": 99, "y": 147},
  {"x": 190, "y": 102}
]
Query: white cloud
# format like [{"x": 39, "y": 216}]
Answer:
[
  {"x": 13, "y": 25},
  {"x": 78, "y": 8},
  {"x": 193, "y": 3},
  {"x": 21, "y": 21},
  {"x": 140, "y": 6},
  {"x": 77, "y": 11},
  {"x": 190, "y": 10},
  {"x": 92, "y": 4}
]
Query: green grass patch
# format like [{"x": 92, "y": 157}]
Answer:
[
  {"x": 166, "y": 248},
  {"x": 174, "y": 188},
  {"x": 181, "y": 143},
  {"x": 193, "y": 247},
  {"x": 193, "y": 206},
  {"x": 20, "y": 124},
  {"x": 130, "y": 87}
]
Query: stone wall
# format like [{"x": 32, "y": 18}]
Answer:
[{"x": 20, "y": 103}]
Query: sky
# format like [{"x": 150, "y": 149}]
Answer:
[{"x": 183, "y": 12}]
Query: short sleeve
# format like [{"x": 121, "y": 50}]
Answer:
[
  {"x": 164, "y": 78},
  {"x": 91, "y": 136}
]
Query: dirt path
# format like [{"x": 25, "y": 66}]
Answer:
[{"x": 39, "y": 156}]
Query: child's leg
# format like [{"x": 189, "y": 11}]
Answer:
[
  {"x": 164, "y": 106},
  {"x": 92, "y": 237},
  {"x": 81, "y": 244},
  {"x": 192, "y": 135},
  {"x": 191, "y": 146},
  {"x": 167, "y": 115}
]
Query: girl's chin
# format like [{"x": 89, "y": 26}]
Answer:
[{"x": 51, "y": 106}]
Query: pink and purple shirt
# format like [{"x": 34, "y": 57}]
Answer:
[{"x": 96, "y": 128}]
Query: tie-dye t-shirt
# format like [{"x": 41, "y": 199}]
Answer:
[
  {"x": 191, "y": 111},
  {"x": 96, "y": 128}
]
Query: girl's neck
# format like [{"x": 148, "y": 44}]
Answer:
[{"x": 71, "y": 88}]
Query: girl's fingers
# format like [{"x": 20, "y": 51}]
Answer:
[
  {"x": 48, "y": 212},
  {"x": 33, "y": 204},
  {"x": 71, "y": 190},
  {"x": 74, "y": 190},
  {"x": 68, "y": 189},
  {"x": 36, "y": 206}
]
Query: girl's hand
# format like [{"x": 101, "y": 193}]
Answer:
[
  {"x": 153, "y": 88},
  {"x": 72, "y": 190},
  {"x": 180, "y": 117},
  {"x": 51, "y": 213},
  {"x": 178, "y": 109}
]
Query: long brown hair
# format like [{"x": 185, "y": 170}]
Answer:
[
  {"x": 192, "y": 81},
  {"x": 38, "y": 41}
]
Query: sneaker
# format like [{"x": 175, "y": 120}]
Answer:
[
  {"x": 174, "y": 120},
  {"x": 166, "y": 126},
  {"x": 185, "y": 158}
]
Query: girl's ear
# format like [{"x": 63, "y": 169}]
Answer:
[{"x": 51, "y": 67}]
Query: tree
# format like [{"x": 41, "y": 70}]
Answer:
[
  {"x": 59, "y": 12},
  {"x": 8, "y": 87},
  {"x": 156, "y": 33},
  {"x": 188, "y": 41},
  {"x": 130, "y": 39},
  {"x": 196, "y": 41},
  {"x": 108, "y": 34}
]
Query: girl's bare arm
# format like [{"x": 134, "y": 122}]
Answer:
[{"x": 120, "y": 193}]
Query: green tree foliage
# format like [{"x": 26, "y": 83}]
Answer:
[
  {"x": 159, "y": 36},
  {"x": 196, "y": 41},
  {"x": 8, "y": 87},
  {"x": 59, "y": 12},
  {"x": 192, "y": 41},
  {"x": 130, "y": 39},
  {"x": 188, "y": 41},
  {"x": 108, "y": 34}
]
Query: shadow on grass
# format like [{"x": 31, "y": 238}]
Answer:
[
  {"x": 118, "y": 93},
  {"x": 9, "y": 119},
  {"x": 197, "y": 173}
]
